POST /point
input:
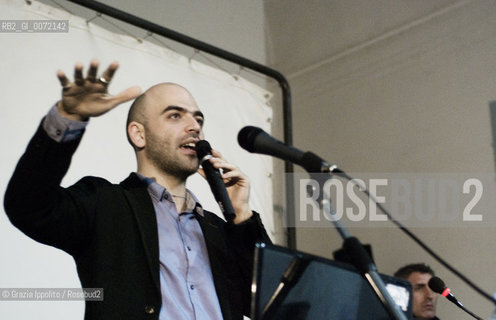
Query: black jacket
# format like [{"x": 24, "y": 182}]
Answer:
[{"x": 111, "y": 232}]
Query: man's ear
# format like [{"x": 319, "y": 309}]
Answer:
[{"x": 136, "y": 133}]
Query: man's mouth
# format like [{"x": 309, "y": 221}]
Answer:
[
  {"x": 429, "y": 306},
  {"x": 189, "y": 147}
]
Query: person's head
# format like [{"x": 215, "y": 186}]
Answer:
[
  {"x": 163, "y": 126},
  {"x": 424, "y": 299}
]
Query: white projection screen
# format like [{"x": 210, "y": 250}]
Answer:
[{"x": 29, "y": 62}]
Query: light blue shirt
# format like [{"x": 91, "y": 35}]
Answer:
[{"x": 186, "y": 281}]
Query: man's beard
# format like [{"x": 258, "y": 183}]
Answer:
[{"x": 169, "y": 162}]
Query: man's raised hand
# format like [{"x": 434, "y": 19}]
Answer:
[{"x": 89, "y": 97}]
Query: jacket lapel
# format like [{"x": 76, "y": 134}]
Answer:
[{"x": 144, "y": 212}]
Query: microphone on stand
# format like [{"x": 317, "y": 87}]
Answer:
[
  {"x": 255, "y": 140},
  {"x": 214, "y": 179},
  {"x": 437, "y": 285}
]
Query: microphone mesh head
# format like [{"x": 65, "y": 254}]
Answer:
[
  {"x": 246, "y": 137},
  {"x": 437, "y": 285},
  {"x": 202, "y": 148}
]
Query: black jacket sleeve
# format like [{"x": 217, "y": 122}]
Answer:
[
  {"x": 243, "y": 238},
  {"x": 34, "y": 201}
]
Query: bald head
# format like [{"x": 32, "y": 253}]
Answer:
[{"x": 156, "y": 96}]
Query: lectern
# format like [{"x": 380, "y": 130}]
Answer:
[{"x": 292, "y": 285}]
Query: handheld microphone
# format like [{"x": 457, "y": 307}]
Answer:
[
  {"x": 437, "y": 285},
  {"x": 214, "y": 179},
  {"x": 255, "y": 140}
]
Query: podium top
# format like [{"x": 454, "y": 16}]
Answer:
[{"x": 301, "y": 286}]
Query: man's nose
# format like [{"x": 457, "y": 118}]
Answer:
[
  {"x": 430, "y": 294},
  {"x": 192, "y": 125}
]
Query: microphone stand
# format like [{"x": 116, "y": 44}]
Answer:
[
  {"x": 290, "y": 277},
  {"x": 359, "y": 257},
  {"x": 460, "y": 305}
]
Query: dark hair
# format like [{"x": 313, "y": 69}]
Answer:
[{"x": 404, "y": 272}]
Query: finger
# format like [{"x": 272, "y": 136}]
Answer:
[
  {"x": 109, "y": 72},
  {"x": 237, "y": 174},
  {"x": 232, "y": 178},
  {"x": 230, "y": 175},
  {"x": 126, "y": 95},
  {"x": 92, "y": 71},
  {"x": 235, "y": 177},
  {"x": 217, "y": 154},
  {"x": 222, "y": 164},
  {"x": 78, "y": 74},
  {"x": 64, "y": 81}
]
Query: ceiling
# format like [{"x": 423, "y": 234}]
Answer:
[{"x": 300, "y": 34}]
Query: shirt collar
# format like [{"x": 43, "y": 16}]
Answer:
[{"x": 160, "y": 193}]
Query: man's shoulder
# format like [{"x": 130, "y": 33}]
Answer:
[{"x": 131, "y": 182}]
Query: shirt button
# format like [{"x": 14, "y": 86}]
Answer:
[
  {"x": 188, "y": 247},
  {"x": 58, "y": 132},
  {"x": 149, "y": 309},
  {"x": 192, "y": 287}
]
